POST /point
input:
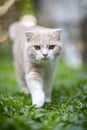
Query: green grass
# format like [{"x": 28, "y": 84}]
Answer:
[{"x": 67, "y": 111}]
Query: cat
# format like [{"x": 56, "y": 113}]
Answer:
[{"x": 36, "y": 51}]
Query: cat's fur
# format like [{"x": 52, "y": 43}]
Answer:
[{"x": 36, "y": 68}]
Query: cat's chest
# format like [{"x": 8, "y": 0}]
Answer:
[{"x": 48, "y": 70}]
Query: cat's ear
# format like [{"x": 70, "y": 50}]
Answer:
[
  {"x": 57, "y": 33},
  {"x": 29, "y": 35}
]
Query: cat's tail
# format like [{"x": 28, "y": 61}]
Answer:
[
  {"x": 28, "y": 20},
  {"x": 16, "y": 28}
]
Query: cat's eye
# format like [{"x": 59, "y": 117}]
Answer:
[
  {"x": 51, "y": 47},
  {"x": 37, "y": 47}
]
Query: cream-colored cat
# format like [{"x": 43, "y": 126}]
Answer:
[{"x": 36, "y": 52}]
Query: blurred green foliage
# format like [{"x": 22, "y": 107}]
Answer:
[
  {"x": 3, "y": 1},
  {"x": 26, "y": 7},
  {"x": 67, "y": 111},
  {"x": 18, "y": 9}
]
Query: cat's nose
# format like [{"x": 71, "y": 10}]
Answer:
[{"x": 45, "y": 54}]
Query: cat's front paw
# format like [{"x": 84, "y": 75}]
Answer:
[{"x": 38, "y": 98}]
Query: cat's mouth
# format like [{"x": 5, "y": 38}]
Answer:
[
  {"x": 42, "y": 60},
  {"x": 45, "y": 59}
]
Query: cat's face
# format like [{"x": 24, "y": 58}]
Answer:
[{"x": 43, "y": 45}]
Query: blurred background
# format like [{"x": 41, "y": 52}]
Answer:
[{"x": 70, "y": 15}]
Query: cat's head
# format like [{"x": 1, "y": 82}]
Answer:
[{"x": 43, "y": 45}]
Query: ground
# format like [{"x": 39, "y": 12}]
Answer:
[{"x": 67, "y": 111}]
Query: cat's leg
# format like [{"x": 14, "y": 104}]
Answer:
[
  {"x": 35, "y": 84},
  {"x": 48, "y": 90},
  {"x": 21, "y": 78},
  {"x": 48, "y": 82}
]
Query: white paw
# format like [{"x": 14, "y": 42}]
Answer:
[{"x": 38, "y": 98}]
